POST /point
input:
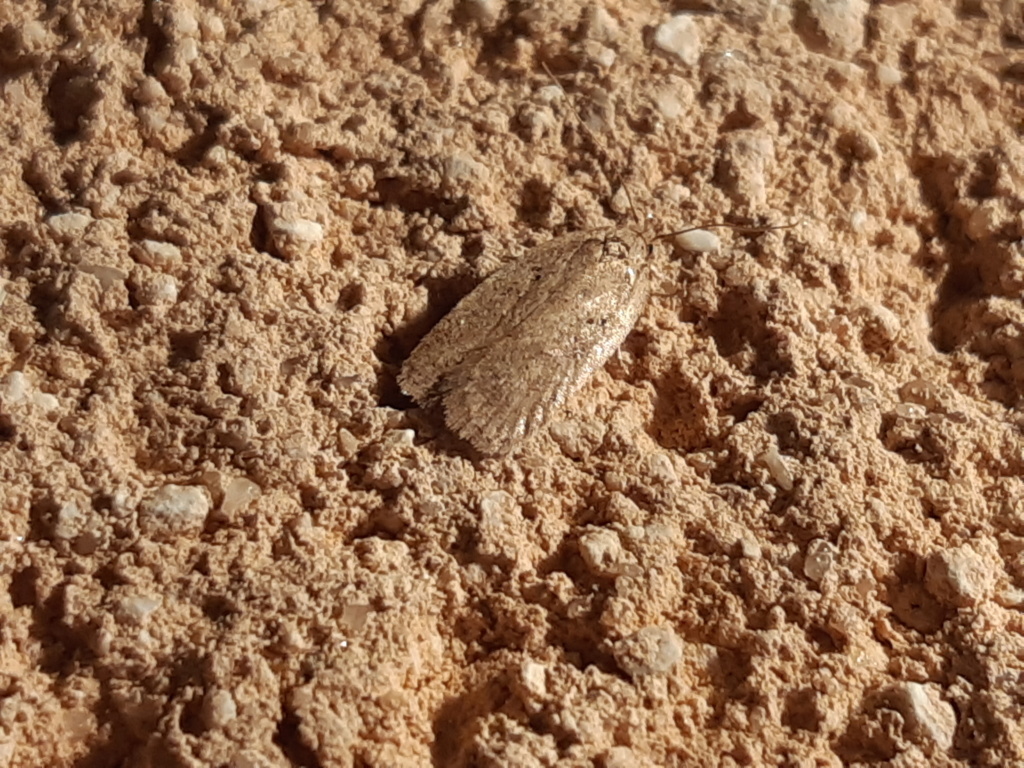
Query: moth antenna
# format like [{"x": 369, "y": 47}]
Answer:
[
  {"x": 602, "y": 150},
  {"x": 735, "y": 227}
]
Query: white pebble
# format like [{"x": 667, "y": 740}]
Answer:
[
  {"x": 534, "y": 677},
  {"x": 68, "y": 522},
  {"x": 484, "y": 11},
  {"x": 819, "y": 559},
  {"x": 602, "y": 552},
  {"x": 599, "y": 54},
  {"x": 498, "y": 524},
  {"x": 157, "y": 254},
  {"x": 159, "y": 290},
  {"x": 885, "y": 321},
  {"x": 749, "y": 547},
  {"x": 679, "y": 37},
  {"x": 136, "y": 608},
  {"x": 45, "y": 401},
  {"x": 293, "y": 237},
  {"x": 887, "y": 75},
  {"x": 651, "y": 651},
  {"x": 16, "y": 388},
  {"x": 300, "y": 230},
  {"x": 669, "y": 105},
  {"x": 928, "y": 717},
  {"x": 601, "y": 25},
  {"x": 212, "y": 28},
  {"x": 150, "y": 91},
  {"x": 219, "y": 708},
  {"x": 497, "y": 503},
  {"x": 348, "y": 444},
  {"x": 698, "y": 241},
  {"x": 400, "y": 438},
  {"x": 239, "y": 493},
  {"x": 858, "y": 220},
  {"x": 32, "y": 38},
  {"x": 620, "y": 757},
  {"x": 175, "y": 509},
  {"x": 68, "y": 226},
  {"x": 661, "y": 469},
  {"x": 777, "y": 468},
  {"x": 182, "y": 23}
]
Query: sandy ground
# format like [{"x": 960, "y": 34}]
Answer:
[{"x": 784, "y": 525}]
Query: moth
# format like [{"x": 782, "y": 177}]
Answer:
[{"x": 515, "y": 348}]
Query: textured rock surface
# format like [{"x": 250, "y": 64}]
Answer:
[{"x": 784, "y": 524}]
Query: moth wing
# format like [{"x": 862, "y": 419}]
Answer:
[
  {"x": 485, "y": 313},
  {"x": 503, "y": 392}
]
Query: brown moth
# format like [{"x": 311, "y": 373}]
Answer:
[
  {"x": 529, "y": 336},
  {"x": 515, "y": 348}
]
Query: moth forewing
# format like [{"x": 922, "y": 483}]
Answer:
[{"x": 515, "y": 348}]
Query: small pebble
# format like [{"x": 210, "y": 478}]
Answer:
[
  {"x": 158, "y": 290},
  {"x": 928, "y": 717},
  {"x": 219, "y": 708},
  {"x": 16, "y": 388},
  {"x": 833, "y": 27},
  {"x": 534, "y": 677},
  {"x": 602, "y": 552},
  {"x": 661, "y": 469},
  {"x": 858, "y": 220},
  {"x": 136, "y": 608},
  {"x": 888, "y": 76},
  {"x": 68, "y": 226},
  {"x": 777, "y": 468},
  {"x": 68, "y": 522},
  {"x": 175, "y": 509},
  {"x": 959, "y": 577},
  {"x": 239, "y": 493},
  {"x": 497, "y": 504},
  {"x": 749, "y": 547},
  {"x": 486, "y": 12},
  {"x": 651, "y": 651},
  {"x": 348, "y": 444},
  {"x": 698, "y": 241},
  {"x": 679, "y": 37},
  {"x": 819, "y": 559},
  {"x": 157, "y": 254},
  {"x": 297, "y": 230}
]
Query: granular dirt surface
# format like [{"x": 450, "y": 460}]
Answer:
[{"x": 784, "y": 525}]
